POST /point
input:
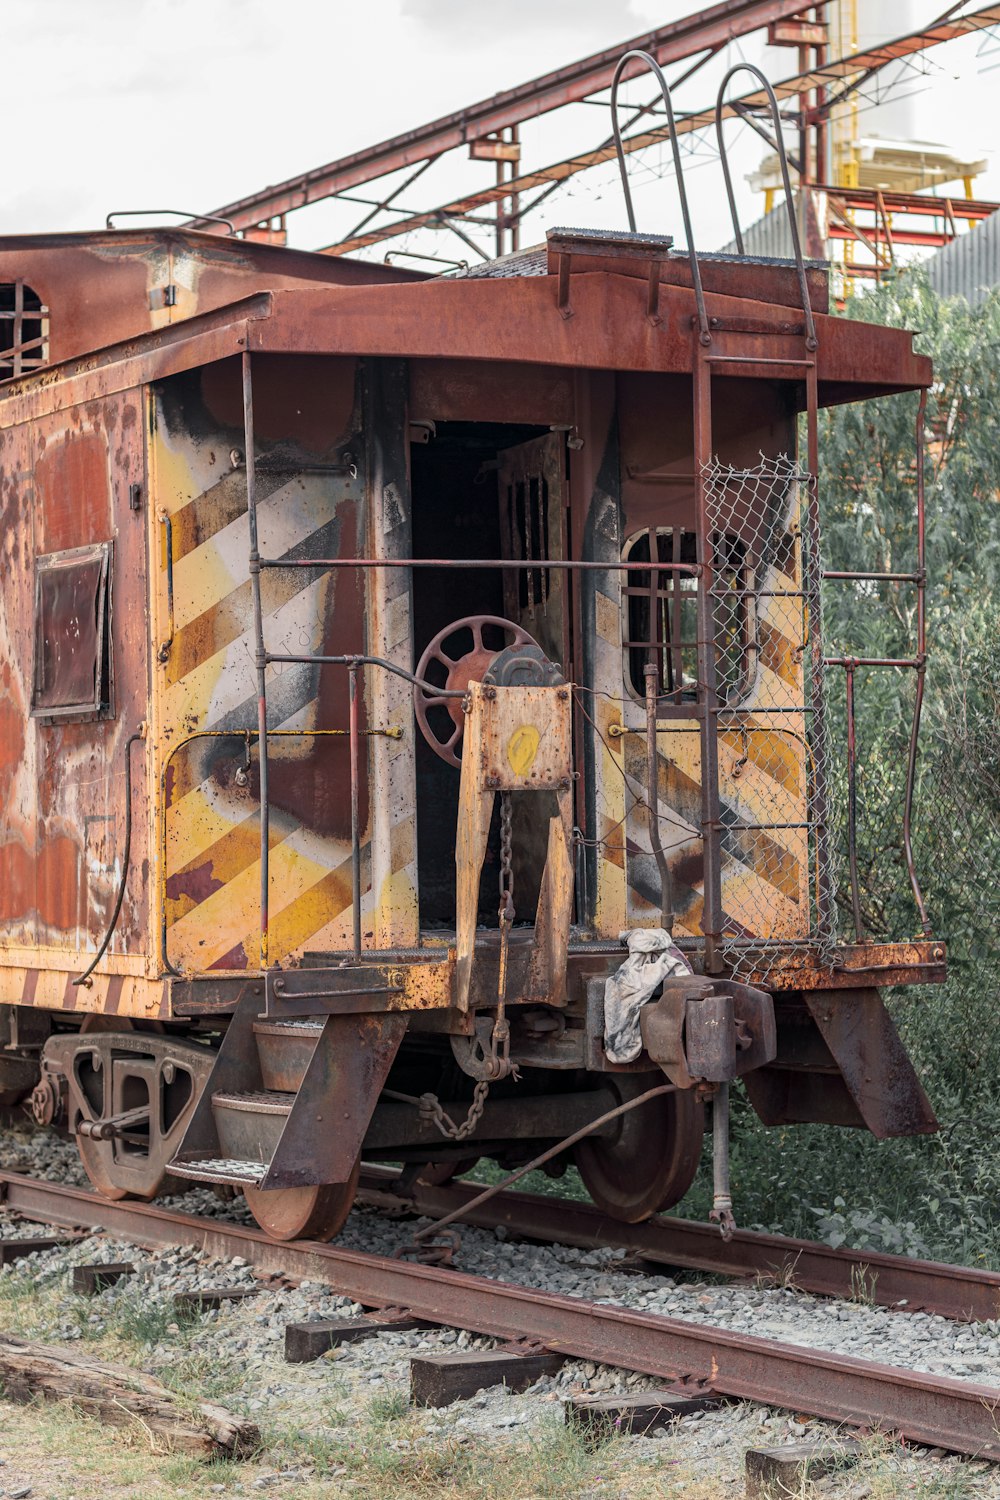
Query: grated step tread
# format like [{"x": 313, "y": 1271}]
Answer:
[
  {"x": 256, "y": 1102},
  {"x": 265, "y": 1026},
  {"x": 224, "y": 1169}
]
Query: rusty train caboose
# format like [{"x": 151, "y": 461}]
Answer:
[{"x": 339, "y": 604}]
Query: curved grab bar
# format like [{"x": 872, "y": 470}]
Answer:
[
  {"x": 745, "y": 67},
  {"x": 143, "y": 213},
  {"x": 654, "y": 67}
]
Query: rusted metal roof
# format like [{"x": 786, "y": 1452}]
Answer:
[
  {"x": 109, "y": 285},
  {"x": 589, "y": 310},
  {"x": 532, "y": 262}
]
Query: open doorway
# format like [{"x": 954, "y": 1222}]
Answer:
[{"x": 481, "y": 490}]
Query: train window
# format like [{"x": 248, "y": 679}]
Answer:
[
  {"x": 660, "y": 616},
  {"x": 24, "y": 330},
  {"x": 72, "y": 670}
]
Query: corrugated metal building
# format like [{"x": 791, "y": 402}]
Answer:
[
  {"x": 970, "y": 266},
  {"x": 769, "y": 235}
]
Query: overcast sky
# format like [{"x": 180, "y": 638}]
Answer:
[{"x": 121, "y": 104}]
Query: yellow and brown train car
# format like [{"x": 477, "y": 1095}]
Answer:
[{"x": 415, "y": 686}]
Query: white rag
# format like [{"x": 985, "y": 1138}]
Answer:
[{"x": 652, "y": 957}]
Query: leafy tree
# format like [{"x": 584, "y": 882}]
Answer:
[
  {"x": 941, "y": 1193},
  {"x": 868, "y": 484}
]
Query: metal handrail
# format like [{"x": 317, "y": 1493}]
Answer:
[
  {"x": 745, "y": 67},
  {"x": 705, "y": 336},
  {"x": 148, "y": 213}
]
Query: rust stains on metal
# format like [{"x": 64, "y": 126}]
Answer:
[{"x": 72, "y": 483}]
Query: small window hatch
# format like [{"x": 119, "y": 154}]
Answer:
[
  {"x": 24, "y": 330},
  {"x": 73, "y": 668}
]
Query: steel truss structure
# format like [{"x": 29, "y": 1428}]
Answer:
[{"x": 489, "y": 131}]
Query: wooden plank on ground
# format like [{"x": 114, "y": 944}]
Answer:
[
  {"x": 440, "y": 1379},
  {"x": 308, "y": 1341},
  {"x": 639, "y": 1412},
  {"x": 123, "y": 1398}
]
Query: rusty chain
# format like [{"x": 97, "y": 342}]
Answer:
[
  {"x": 506, "y": 862},
  {"x": 500, "y": 1039},
  {"x": 498, "y": 1057},
  {"x": 432, "y": 1109}
]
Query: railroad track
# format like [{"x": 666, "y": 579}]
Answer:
[
  {"x": 957, "y": 1292},
  {"x": 938, "y": 1411}
]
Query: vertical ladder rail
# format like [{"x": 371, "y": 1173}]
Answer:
[
  {"x": 911, "y": 766},
  {"x": 260, "y": 653},
  {"x": 704, "y": 335},
  {"x": 745, "y": 67},
  {"x": 708, "y": 697},
  {"x": 811, "y": 584},
  {"x": 711, "y": 821}
]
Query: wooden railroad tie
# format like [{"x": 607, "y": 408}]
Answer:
[
  {"x": 89, "y": 1280},
  {"x": 778, "y": 1473},
  {"x": 308, "y": 1341},
  {"x": 440, "y": 1379},
  {"x": 212, "y": 1297},
  {"x": 598, "y": 1417},
  {"x": 11, "y": 1250}
]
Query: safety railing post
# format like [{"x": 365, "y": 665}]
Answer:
[
  {"x": 260, "y": 653},
  {"x": 708, "y": 703}
]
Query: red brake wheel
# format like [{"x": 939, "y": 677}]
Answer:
[{"x": 459, "y": 670}]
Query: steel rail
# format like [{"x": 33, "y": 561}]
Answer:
[
  {"x": 958, "y": 1292},
  {"x": 936, "y": 1410}
]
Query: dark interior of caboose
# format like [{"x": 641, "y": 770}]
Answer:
[{"x": 456, "y": 508}]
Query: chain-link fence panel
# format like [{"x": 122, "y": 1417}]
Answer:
[{"x": 776, "y": 887}]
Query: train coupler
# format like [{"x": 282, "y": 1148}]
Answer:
[{"x": 708, "y": 1030}]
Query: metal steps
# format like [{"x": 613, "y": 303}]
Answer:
[
  {"x": 259, "y": 1123},
  {"x": 285, "y": 1049},
  {"x": 249, "y": 1123}
]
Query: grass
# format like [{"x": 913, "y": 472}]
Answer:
[
  {"x": 555, "y": 1462},
  {"x": 61, "y": 1453}
]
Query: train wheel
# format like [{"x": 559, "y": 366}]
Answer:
[
  {"x": 96, "y": 1155},
  {"x": 651, "y": 1162},
  {"x": 304, "y": 1213},
  {"x": 99, "y": 1167}
]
